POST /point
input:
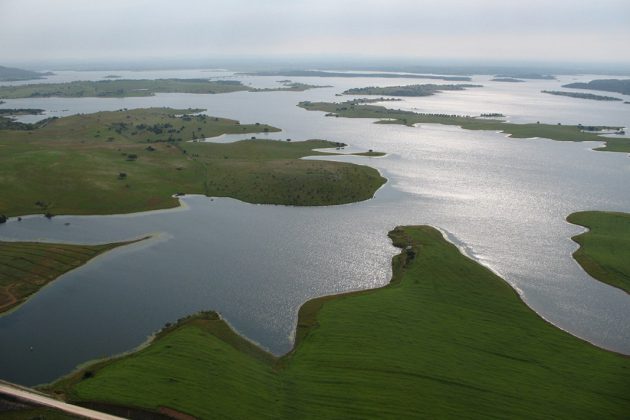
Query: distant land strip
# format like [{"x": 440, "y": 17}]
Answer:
[
  {"x": 360, "y": 109},
  {"x": 119, "y": 88},
  {"x": 607, "y": 85},
  {"x": 318, "y": 73}
]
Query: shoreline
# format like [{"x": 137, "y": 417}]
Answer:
[{"x": 311, "y": 317}]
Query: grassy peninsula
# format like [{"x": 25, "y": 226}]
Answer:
[
  {"x": 607, "y": 85},
  {"x": 29, "y": 266},
  {"x": 135, "y": 160},
  {"x": 605, "y": 247},
  {"x": 581, "y": 95},
  {"x": 361, "y": 109},
  {"x": 407, "y": 90},
  {"x": 446, "y": 338},
  {"x": 118, "y": 88}
]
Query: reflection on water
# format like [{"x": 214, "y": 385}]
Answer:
[{"x": 503, "y": 200}]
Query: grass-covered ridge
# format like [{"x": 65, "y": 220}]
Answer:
[
  {"x": 408, "y": 90},
  {"x": 605, "y": 248},
  {"x": 360, "y": 109},
  {"x": 26, "y": 267},
  {"x": 446, "y": 338},
  {"x": 118, "y": 88},
  {"x": 135, "y": 160}
]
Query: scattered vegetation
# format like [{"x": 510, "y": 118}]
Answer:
[
  {"x": 408, "y": 90},
  {"x": 74, "y": 165},
  {"x": 607, "y": 85},
  {"x": 560, "y": 132},
  {"x": 605, "y": 247},
  {"x": 446, "y": 338},
  {"x": 581, "y": 95},
  {"x": 29, "y": 266}
]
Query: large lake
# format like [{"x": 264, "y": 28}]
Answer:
[{"x": 503, "y": 201}]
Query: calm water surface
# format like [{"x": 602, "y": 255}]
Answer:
[{"x": 504, "y": 201}]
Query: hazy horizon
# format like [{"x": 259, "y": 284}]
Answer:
[{"x": 365, "y": 33}]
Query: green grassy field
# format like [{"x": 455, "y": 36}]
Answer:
[
  {"x": 604, "y": 251},
  {"x": 26, "y": 267},
  {"x": 359, "y": 109},
  {"x": 446, "y": 338},
  {"x": 118, "y": 88},
  {"x": 129, "y": 161}
]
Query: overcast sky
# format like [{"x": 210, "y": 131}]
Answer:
[{"x": 88, "y": 30}]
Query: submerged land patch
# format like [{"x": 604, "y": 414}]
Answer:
[{"x": 446, "y": 338}]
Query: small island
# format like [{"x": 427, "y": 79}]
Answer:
[
  {"x": 525, "y": 75},
  {"x": 607, "y": 85},
  {"x": 581, "y": 95},
  {"x": 507, "y": 80},
  {"x": 408, "y": 90}
]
